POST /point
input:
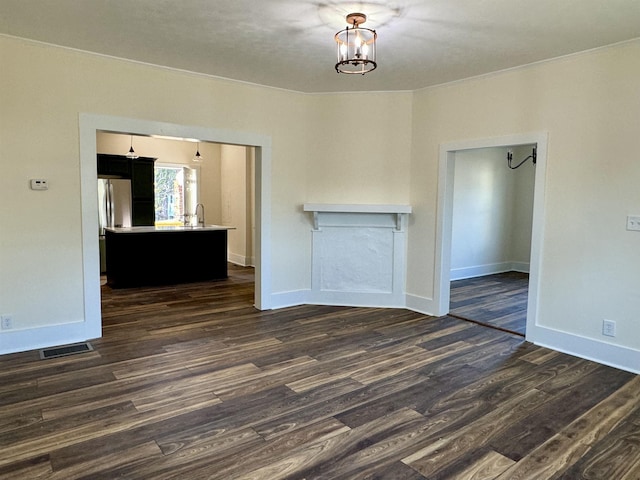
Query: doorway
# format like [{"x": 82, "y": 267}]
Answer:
[
  {"x": 216, "y": 187},
  {"x": 444, "y": 226},
  {"x": 491, "y": 235},
  {"x": 90, "y": 124}
]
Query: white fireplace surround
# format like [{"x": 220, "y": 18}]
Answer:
[{"x": 358, "y": 254}]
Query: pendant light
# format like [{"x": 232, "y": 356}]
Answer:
[
  {"x": 131, "y": 153},
  {"x": 356, "y": 46},
  {"x": 198, "y": 158}
]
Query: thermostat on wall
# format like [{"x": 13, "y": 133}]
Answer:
[{"x": 39, "y": 184}]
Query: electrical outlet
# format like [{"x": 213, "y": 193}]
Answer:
[
  {"x": 6, "y": 322},
  {"x": 609, "y": 328},
  {"x": 39, "y": 184},
  {"x": 633, "y": 222}
]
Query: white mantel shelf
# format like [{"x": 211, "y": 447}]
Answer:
[
  {"x": 355, "y": 208},
  {"x": 339, "y": 208}
]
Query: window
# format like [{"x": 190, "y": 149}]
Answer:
[{"x": 175, "y": 194}]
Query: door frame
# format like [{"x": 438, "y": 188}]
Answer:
[
  {"x": 90, "y": 124},
  {"x": 444, "y": 217}
]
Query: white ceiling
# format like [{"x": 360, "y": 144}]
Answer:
[{"x": 289, "y": 43}]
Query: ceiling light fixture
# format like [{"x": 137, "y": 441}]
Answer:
[
  {"x": 198, "y": 158},
  {"x": 131, "y": 153},
  {"x": 356, "y": 46}
]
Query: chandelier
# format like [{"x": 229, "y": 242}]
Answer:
[{"x": 356, "y": 46}]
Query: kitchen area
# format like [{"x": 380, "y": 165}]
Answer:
[{"x": 172, "y": 210}]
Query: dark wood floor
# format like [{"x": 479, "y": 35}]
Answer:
[
  {"x": 191, "y": 382},
  {"x": 498, "y": 300}
]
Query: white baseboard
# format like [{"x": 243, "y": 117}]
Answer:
[
  {"x": 240, "y": 259},
  {"x": 356, "y": 299},
  {"x": 489, "y": 269},
  {"x": 289, "y": 299},
  {"x": 345, "y": 299},
  {"x": 616, "y": 356},
  {"x": 45, "y": 337},
  {"x": 522, "y": 267},
  {"x": 418, "y": 304}
]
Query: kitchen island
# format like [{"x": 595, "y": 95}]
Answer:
[{"x": 138, "y": 256}]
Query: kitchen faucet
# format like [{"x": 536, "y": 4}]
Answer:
[{"x": 200, "y": 222}]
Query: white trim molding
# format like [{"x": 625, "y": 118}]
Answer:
[
  {"x": 91, "y": 123},
  {"x": 91, "y": 325},
  {"x": 445, "y": 213},
  {"x": 490, "y": 269},
  {"x": 616, "y": 356}
]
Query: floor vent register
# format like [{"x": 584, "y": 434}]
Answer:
[{"x": 65, "y": 350}]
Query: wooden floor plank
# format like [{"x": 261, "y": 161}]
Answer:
[
  {"x": 264, "y": 455},
  {"x": 190, "y": 381},
  {"x": 31, "y": 468},
  {"x": 448, "y": 448},
  {"x": 532, "y": 430},
  {"x": 489, "y": 466},
  {"x": 565, "y": 449},
  {"x": 133, "y": 456},
  {"x": 317, "y": 458},
  {"x": 498, "y": 300}
]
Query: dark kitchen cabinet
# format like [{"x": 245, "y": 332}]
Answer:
[
  {"x": 142, "y": 191},
  {"x": 141, "y": 173},
  {"x": 143, "y": 213},
  {"x": 113, "y": 166},
  {"x": 133, "y": 256}
]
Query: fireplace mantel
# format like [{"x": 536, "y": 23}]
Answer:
[
  {"x": 358, "y": 254},
  {"x": 349, "y": 208}
]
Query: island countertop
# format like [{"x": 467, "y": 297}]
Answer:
[{"x": 169, "y": 228}]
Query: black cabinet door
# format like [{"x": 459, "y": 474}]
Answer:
[
  {"x": 142, "y": 213},
  {"x": 113, "y": 165},
  {"x": 142, "y": 178},
  {"x": 142, "y": 191}
]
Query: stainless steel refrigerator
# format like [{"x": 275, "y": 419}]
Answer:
[{"x": 114, "y": 209}]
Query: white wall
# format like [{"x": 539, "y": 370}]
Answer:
[
  {"x": 45, "y": 89},
  {"x": 523, "y": 190},
  {"x": 589, "y": 104},
  {"x": 359, "y": 148},
  {"x": 324, "y": 149},
  {"x": 492, "y": 212},
  {"x": 211, "y": 182},
  {"x": 237, "y": 211}
]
